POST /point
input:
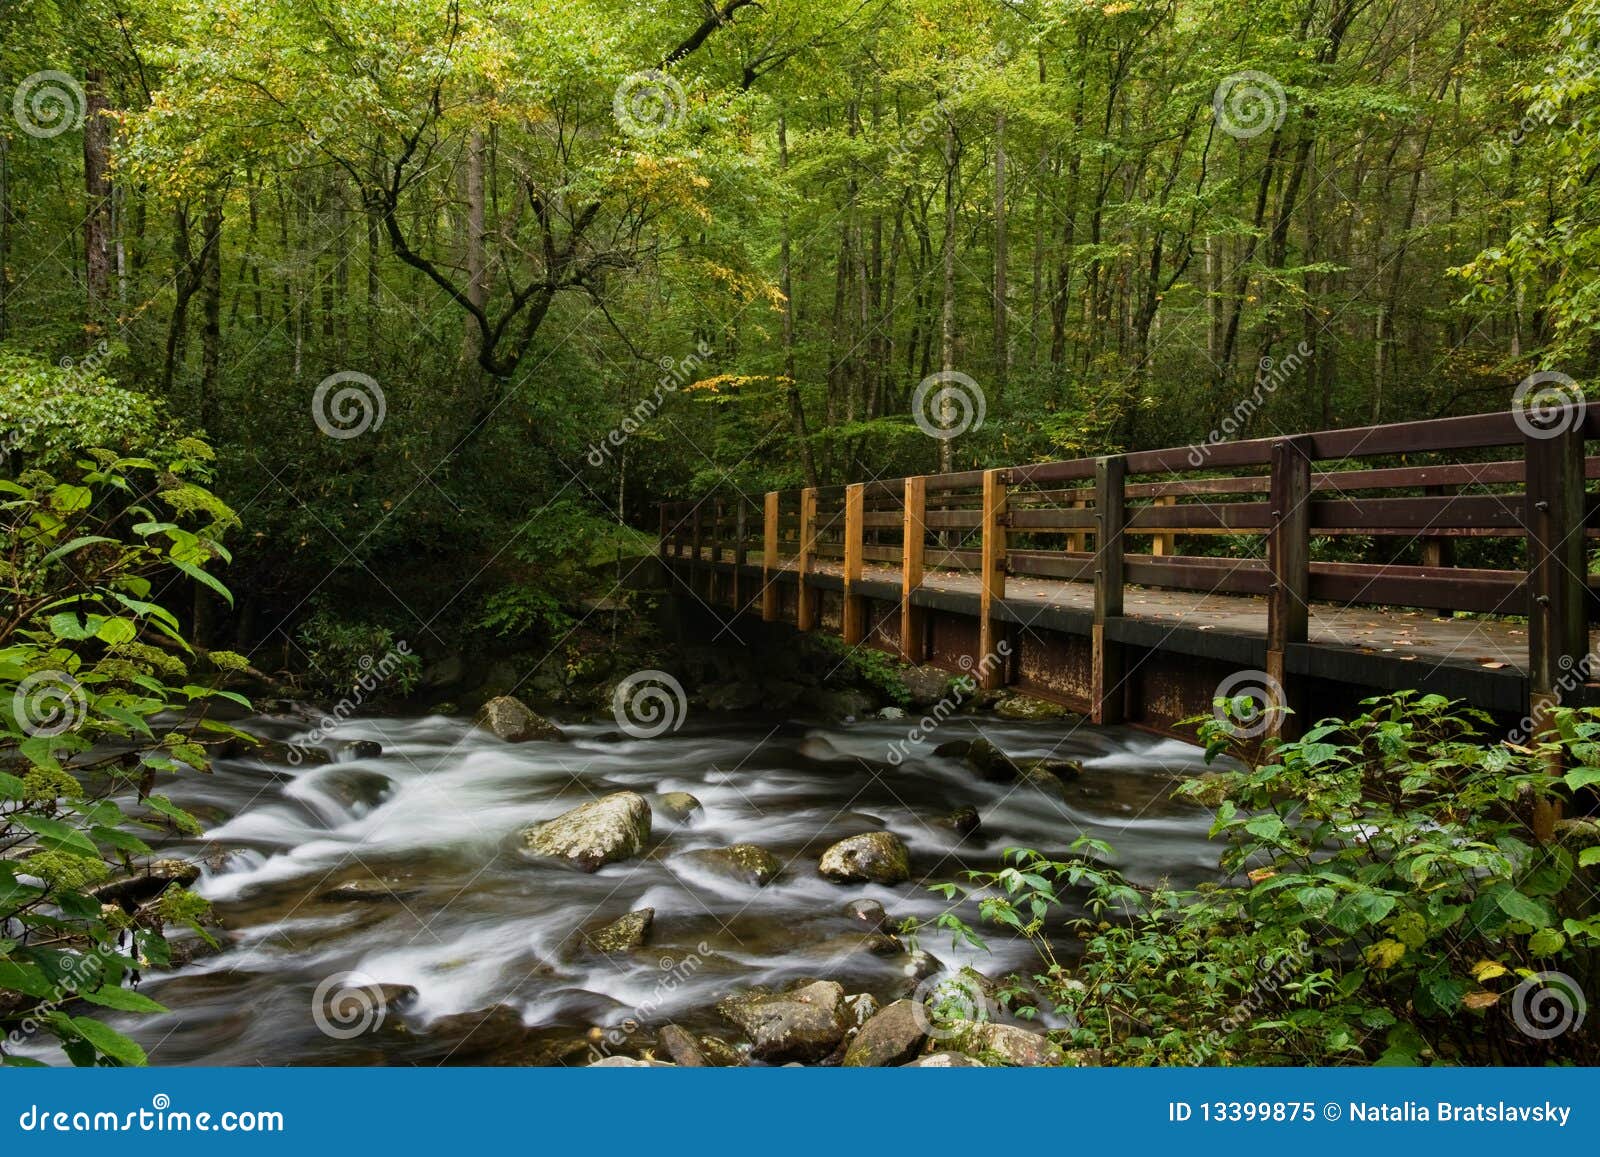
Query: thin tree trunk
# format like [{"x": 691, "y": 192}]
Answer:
[
  {"x": 797, "y": 412},
  {"x": 1002, "y": 354}
]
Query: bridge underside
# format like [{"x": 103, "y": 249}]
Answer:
[{"x": 1176, "y": 647}]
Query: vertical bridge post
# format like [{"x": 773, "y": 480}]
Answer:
[
  {"x": 1110, "y": 514},
  {"x": 805, "y": 617},
  {"x": 991, "y": 664},
  {"x": 853, "y": 616},
  {"x": 913, "y": 555},
  {"x": 1289, "y": 560},
  {"x": 741, "y": 511},
  {"x": 696, "y": 540},
  {"x": 769, "y": 558},
  {"x": 1558, "y": 628}
]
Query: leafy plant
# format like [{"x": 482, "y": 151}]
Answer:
[
  {"x": 92, "y": 667},
  {"x": 344, "y": 656},
  {"x": 1384, "y": 901}
]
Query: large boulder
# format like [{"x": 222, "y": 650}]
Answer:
[
  {"x": 611, "y": 828},
  {"x": 892, "y": 1037},
  {"x": 748, "y": 863},
  {"x": 622, "y": 935},
  {"x": 878, "y": 857},
  {"x": 1005, "y": 1044},
  {"x": 983, "y": 757},
  {"x": 509, "y": 718},
  {"x": 803, "y": 1024},
  {"x": 628, "y": 1063}
]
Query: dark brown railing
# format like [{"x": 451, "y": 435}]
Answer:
[{"x": 1118, "y": 519}]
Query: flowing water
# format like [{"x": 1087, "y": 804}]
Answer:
[{"x": 490, "y": 941}]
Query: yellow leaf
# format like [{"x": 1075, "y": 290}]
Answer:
[
  {"x": 1385, "y": 953},
  {"x": 1487, "y": 970}
]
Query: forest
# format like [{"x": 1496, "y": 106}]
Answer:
[{"x": 348, "y": 350}]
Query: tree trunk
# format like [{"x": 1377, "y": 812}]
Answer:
[
  {"x": 97, "y": 199},
  {"x": 797, "y": 412},
  {"x": 1002, "y": 355}
]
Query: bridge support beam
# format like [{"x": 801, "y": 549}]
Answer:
[
  {"x": 853, "y": 615},
  {"x": 1110, "y": 517},
  {"x": 913, "y": 555},
  {"x": 769, "y": 558},
  {"x": 991, "y": 664},
  {"x": 805, "y": 616},
  {"x": 1289, "y": 560},
  {"x": 1558, "y": 630}
]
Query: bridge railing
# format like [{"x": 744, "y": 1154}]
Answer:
[{"x": 1239, "y": 518}]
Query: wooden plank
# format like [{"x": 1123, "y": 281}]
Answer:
[
  {"x": 1107, "y": 695},
  {"x": 853, "y": 616},
  {"x": 991, "y": 665},
  {"x": 806, "y": 606},
  {"x": 1289, "y": 560},
  {"x": 913, "y": 551},
  {"x": 1164, "y": 544},
  {"x": 769, "y": 558},
  {"x": 1558, "y": 638}
]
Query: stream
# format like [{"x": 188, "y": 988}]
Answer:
[{"x": 488, "y": 942}]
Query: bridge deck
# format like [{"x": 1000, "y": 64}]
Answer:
[{"x": 1402, "y": 634}]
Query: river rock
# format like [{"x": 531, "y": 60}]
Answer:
[
  {"x": 863, "y": 1007},
  {"x": 925, "y": 685},
  {"x": 944, "y": 1061},
  {"x": 878, "y": 857},
  {"x": 357, "y": 787},
  {"x": 368, "y": 891},
  {"x": 1027, "y": 707},
  {"x": 628, "y": 1063},
  {"x": 602, "y": 831},
  {"x": 720, "y": 1053},
  {"x": 750, "y": 863},
  {"x": 1065, "y": 770},
  {"x": 963, "y": 821},
  {"x": 623, "y": 935},
  {"x": 868, "y": 913},
  {"x": 682, "y": 1048},
  {"x": 983, "y": 757},
  {"x": 157, "y": 876},
  {"x": 1005, "y": 1043},
  {"x": 678, "y": 806},
  {"x": 893, "y": 1037},
  {"x": 803, "y": 1024},
  {"x": 353, "y": 749},
  {"x": 511, "y": 719}
]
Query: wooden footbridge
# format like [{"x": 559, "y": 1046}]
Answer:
[{"x": 1448, "y": 556}]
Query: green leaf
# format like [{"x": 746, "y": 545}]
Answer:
[
  {"x": 123, "y": 1000},
  {"x": 66, "y": 625},
  {"x": 1589, "y": 857},
  {"x": 108, "y": 1040},
  {"x": 1519, "y": 907},
  {"x": 1546, "y": 942},
  {"x": 26, "y": 979},
  {"x": 76, "y": 544},
  {"x": 205, "y": 579},
  {"x": 115, "y": 632},
  {"x": 55, "y": 834},
  {"x": 1581, "y": 777}
]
